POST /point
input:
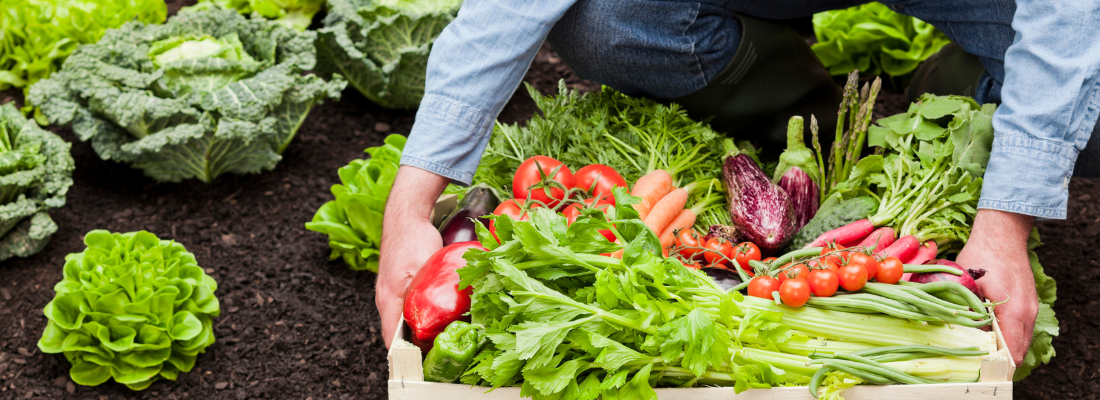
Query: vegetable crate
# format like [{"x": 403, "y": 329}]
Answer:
[{"x": 406, "y": 365}]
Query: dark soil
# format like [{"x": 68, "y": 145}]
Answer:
[{"x": 295, "y": 325}]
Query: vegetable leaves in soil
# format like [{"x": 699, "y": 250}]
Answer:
[
  {"x": 873, "y": 39},
  {"x": 208, "y": 92}
]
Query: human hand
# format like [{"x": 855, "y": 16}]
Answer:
[
  {"x": 998, "y": 243},
  {"x": 408, "y": 240}
]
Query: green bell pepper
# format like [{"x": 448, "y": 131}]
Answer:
[{"x": 452, "y": 354}]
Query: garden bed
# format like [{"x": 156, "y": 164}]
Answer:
[{"x": 295, "y": 325}]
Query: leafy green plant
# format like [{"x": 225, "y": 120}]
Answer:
[
  {"x": 37, "y": 35},
  {"x": 130, "y": 307},
  {"x": 1046, "y": 323},
  {"x": 382, "y": 46},
  {"x": 35, "y": 174},
  {"x": 206, "y": 93},
  {"x": 295, "y": 14},
  {"x": 353, "y": 222},
  {"x": 873, "y": 39}
]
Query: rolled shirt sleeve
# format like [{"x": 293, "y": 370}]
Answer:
[
  {"x": 1050, "y": 103},
  {"x": 474, "y": 67}
]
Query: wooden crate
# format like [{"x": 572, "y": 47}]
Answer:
[{"x": 406, "y": 381}]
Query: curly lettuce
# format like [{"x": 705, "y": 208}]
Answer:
[
  {"x": 382, "y": 46},
  {"x": 873, "y": 39},
  {"x": 296, "y": 14},
  {"x": 208, "y": 92},
  {"x": 37, "y": 35},
  {"x": 1046, "y": 324},
  {"x": 130, "y": 307},
  {"x": 35, "y": 175}
]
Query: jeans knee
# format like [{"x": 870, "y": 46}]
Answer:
[{"x": 661, "y": 49}]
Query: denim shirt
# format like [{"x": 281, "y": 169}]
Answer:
[{"x": 1050, "y": 96}]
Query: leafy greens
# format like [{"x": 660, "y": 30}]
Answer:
[
  {"x": 130, "y": 307},
  {"x": 37, "y": 35},
  {"x": 382, "y": 46},
  {"x": 35, "y": 174},
  {"x": 296, "y": 14},
  {"x": 1046, "y": 324},
  {"x": 632, "y": 135},
  {"x": 873, "y": 39},
  {"x": 206, "y": 93}
]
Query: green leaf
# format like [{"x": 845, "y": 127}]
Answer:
[
  {"x": 873, "y": 39},
  {"x": 296, "y": 14}
]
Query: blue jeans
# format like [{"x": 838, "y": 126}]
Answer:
[{"x": 669, "y": 49}]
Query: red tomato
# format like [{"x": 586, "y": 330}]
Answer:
[
  {"x": 513, "y": 209},
  {"x": 716, "y": 246},
  {"x": 688, "y": 238},
  {"x": 692, "y": 265},
  {"x": 598, "y": 180},
  {"x": 768, "y": 260},
  {"x": 794, "y": 292},
  {"x": 573, "y": 211},
  {"x": 763, "y": 286},
  {"x": 890, "y": 270},
  {"x": 800, "y": 271},
  {"x": 836, "y": 257},
  {"x": 824, "y": 263},
  {"x": 536, "y": 178},
  {"x": 744, "y": 252},
  {"x": 823, "y": 282},
  {"x": 868, "y": 262},
  {"x": 852, "y": 277}
]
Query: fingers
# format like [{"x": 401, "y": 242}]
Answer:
[{"x": 1017, "y": 322}]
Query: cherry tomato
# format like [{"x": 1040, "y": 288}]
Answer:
[
  {"x": 573, "y": 211},
  {"x": 512, "y": 208},
  {"x": 599, "y": 179},
  {"x": 692, "y": 265},
  {"x": 890, "y": 270},
  {"x": 744, "y": 252},
  {"x": 824, "y": 263},
  {"x": 768, "y": 260},
  {"x": 800, "y": 271},
  {"x": 836, "y": 257},
  {"x": 688, "y": 238},
  {"x": 763, "y": 286},
  {"x": 852, "y": 277},
  {"x": 536, "y": 177},
  {"x": 715, "y": 246},
  {"x": 868, "y": 262},
  {"x": 823, "y": 282},
  {"x": 794, "y": 292}
]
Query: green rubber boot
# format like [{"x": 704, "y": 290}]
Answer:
[
  {"x": 773, "y": 76},
  {"x": 950, "y": 71}
]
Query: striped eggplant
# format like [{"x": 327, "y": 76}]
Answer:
[
  {"x": 760, "y": 209},
  {"x": 804, "y": 195},
  {"x": 798, "y": 173}
]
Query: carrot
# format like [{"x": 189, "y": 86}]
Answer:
[
  {"x": 684, "y": 220},
  {"x": 651, "y": 188},
  {"x": 846, "y": 235},
  {"x": 903, "y": 249},
  {"x": 880, "y": 239},
  {"x": 666, "y": 210}
]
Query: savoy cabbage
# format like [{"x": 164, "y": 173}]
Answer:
[
  {"x": 295, "y": 14},
  {"x": 382, "y": 46},
  {"x": 206, "y": 93}
]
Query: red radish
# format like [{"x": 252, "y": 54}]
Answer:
[
  {"x": 903, "y": 249},
  {"x": 925, "y": 252},
  {"x": 880, "y": 239},
  {"x": 967, "y": 279},
  {"x": 846, "y": 235}
]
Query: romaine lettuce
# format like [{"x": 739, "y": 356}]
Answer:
[{"x": 206, "y": 93}]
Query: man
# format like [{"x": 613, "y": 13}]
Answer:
[{"x": 722, "y": 59}]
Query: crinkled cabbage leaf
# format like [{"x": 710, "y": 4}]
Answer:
[{"x": 874, "y": 39}]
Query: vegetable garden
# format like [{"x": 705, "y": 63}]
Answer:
[{"x": 279, "y": 300}]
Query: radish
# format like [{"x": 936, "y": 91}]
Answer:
[
  {"x": 903, "y": 249},
  {"x": 846, "y": 235},
  {"x": 925, "y": 253},
  {"x": 967, "y": 279},
  {"x": 880, "y": 239}
]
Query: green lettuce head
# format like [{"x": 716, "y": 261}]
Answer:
[
  {"x": 206, "y": 93},
  {"x": 381, "y": 46},
  {"x": 874, "y": 39},
  {"x": 35, "y": 174},
  {"x": 130, "y": 307}
]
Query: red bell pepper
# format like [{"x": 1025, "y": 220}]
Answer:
[{"x": 433, "y": 300}]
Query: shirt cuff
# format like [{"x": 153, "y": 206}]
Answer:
[
  {"x": 448, "y": 138},
  {"x": 1028, "y": 176}
]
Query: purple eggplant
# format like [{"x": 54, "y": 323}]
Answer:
[
  {"x": 459, "y": 226},
  {"x": 804, "y": 195},
  {"x": 760, "y": 209}
]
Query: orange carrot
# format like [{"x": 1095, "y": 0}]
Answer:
[
  {"x": 651, "y": 188},
  {"x": 684, "y": 220},
  {"x": 666, "y": 210}
]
